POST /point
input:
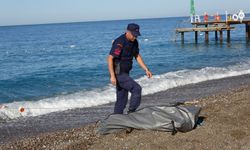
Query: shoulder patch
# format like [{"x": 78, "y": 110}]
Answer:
[{"x": 117, "y": 51}]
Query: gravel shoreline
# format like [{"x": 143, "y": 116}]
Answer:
[{"x": 226, "y": 127}]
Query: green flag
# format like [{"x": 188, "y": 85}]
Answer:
[{"x": 192, "y": 8}]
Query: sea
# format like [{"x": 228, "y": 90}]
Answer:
[{"x": 56, "y": 67}]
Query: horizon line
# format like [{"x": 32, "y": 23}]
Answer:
[
  {"x": 105, "y": 20},
  {"x": 50, "y": 23}
]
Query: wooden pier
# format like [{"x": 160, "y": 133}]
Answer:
[{"x": 214, "y": 26}]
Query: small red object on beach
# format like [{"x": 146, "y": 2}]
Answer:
[
  {"x": 21, "y": 109},
  {"x": 2, "y": 106}
]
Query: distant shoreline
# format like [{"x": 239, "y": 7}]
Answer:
[{"x": 93, "y": 21}]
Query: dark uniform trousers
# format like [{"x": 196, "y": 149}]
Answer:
[{"x": 124, "y": 85}]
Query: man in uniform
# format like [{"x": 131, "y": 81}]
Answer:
[{"x": 120, "y": 61}]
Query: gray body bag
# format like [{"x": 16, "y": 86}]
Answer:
[{"x": 161, "y": 118}]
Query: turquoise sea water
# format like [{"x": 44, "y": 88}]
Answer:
[{"x": 54, "y": 67}]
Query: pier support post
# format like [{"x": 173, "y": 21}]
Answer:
[
  {"x": 221, "y": 35},
  {"x": 196, "y": 36},
  {"x": 247, "y": 31},
  {"x": 216, "y": 35},
  {"x": 206, "y": 36},
  {"x": 228, "y": 35},
  {"x": 182, "y": 37}
]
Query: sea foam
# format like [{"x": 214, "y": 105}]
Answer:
[{"x": 107, "y": 94}]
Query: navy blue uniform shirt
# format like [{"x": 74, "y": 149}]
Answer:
[{"x": 123, "y": 52}]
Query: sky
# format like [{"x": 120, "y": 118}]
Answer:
[{"x": 20, "y": 12}]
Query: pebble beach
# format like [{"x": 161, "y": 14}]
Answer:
[{"x": 226, "y": 126}]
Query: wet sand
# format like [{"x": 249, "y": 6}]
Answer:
[{"x": 226, "y": 125}]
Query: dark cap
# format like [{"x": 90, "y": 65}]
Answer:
[{"x": 134, "y": 29}]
